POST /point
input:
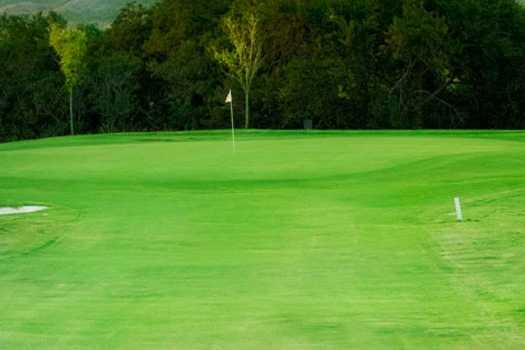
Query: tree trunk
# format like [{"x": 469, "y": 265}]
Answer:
[
  {"x": 71, "y": 120},
  {"x": 247, "y": 108}
]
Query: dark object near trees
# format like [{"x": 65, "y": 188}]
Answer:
[{"x": 308, "y": 124}]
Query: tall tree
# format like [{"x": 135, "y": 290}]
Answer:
[
  {"x": 188, "y": 77},
  {"x": 418, "y": 41},
  {"x": 243, "y": 58},
  {"x": 30, "y": 79},
  {"x": 71, "y": 46},
  {"x": 114, "y": 89},
  {"x": 359, "y": 34}
]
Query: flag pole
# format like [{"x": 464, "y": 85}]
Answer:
[
  {"x": 233, "y": 127},
  {"x": 229, "y": 100}
]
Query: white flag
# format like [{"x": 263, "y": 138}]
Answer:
[{"x": 229, "y": 97}]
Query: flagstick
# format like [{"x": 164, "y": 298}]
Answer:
[{"x": 233, "y": 126}]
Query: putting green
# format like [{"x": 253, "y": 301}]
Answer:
[{"x": 336, "y": 240}]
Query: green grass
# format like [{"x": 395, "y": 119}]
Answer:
[{"x": 335, "y": 240}]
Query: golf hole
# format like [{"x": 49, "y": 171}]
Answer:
[{"x": 22, "y": 210}]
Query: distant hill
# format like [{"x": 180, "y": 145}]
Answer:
[{"x": 80, "y": 11}]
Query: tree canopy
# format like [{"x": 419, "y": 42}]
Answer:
[
  {"x": 342, "y": 64},
  {"x": 244, "y": 58}
]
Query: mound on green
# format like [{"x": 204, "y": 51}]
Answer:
[{"x": 336, "y": 240}]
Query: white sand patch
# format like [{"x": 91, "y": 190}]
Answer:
[{"x": 22, "y": 210}]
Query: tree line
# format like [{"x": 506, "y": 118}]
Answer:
[{"x": 361, "y": 64}]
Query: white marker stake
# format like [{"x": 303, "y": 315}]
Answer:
[{"x": 459, "y": 212}]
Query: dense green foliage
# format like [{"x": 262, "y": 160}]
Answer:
[
  {"x": 339, "y": 63},
  {"x": 171, "y": 241}
]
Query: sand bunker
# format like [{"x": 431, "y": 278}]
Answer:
[{"x": 22, "y": 210}]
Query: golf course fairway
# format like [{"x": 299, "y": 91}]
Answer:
[{"x": 320, "y": 240}]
